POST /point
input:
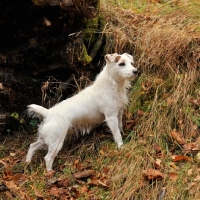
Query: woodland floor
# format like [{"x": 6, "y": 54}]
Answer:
[{"x": 161, "y": 156}]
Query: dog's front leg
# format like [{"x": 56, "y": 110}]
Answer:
[
  {"x": 120, "y": 114},
  {"x": 113, "y": 124}
]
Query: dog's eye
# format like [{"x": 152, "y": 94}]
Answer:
[
  {"x": 132, "y": 63},
  {"x": 122, "y": 64}
]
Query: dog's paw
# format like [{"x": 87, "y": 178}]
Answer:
[
  {"x": 119, "y": 145},
  {"x": 123, "y": 148},
  {"x": 50, "y": 173},
  {"x": 27, "y": 160}
]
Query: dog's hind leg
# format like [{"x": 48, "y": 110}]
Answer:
[
  {"x": 113, "y": 124},
  {"x": 38, "y": 145},
  {"x": 53, "y": 149}
]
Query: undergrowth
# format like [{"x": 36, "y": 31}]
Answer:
[{"x": 164, "y": 38}]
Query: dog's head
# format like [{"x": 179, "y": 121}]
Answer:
[{"x": 121, "y": 66}]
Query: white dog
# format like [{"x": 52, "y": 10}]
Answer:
[{"x": 102, "y": 101}]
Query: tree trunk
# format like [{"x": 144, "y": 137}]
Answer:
[{"x": 41, "y": 39}]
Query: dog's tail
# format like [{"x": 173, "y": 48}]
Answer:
[{"x": 37, "y": 111}]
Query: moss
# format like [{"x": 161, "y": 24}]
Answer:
[
  {"x": 85, "y": 58},
  {"x": 90, "y": 33},
  {"x": 93, "y": 33}
]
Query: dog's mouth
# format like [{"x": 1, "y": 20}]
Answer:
[{"x": 130, "y": 78}]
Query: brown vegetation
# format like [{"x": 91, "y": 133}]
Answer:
[
  {"x": 165, "y": 40},
  {"x": 161, "y": 158}
]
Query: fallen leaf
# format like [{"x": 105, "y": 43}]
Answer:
[
  {"x": 62, "y": 183},
  {"x": 170, "y": 101},
  {"x": 173, "y": 176},
  {"x": 158, "y": 81},
  {"x": 61, "y": 193},
  {"x": 197, "y": 178},
  {"x": 54, "y": 191},
  {"x": 106, "y": 170},
  {"x": 102, "y": 152},
  {"x": 75, "y": 192},
  {"x": 178, "y": 137},
  {"x": 84, "y": 189},
  {"x": 92, "y": 196},
  {"x": 7, "y": 175},
  {"x": 84, "y": 174},
  {"x": 77, "y": 164},
  {"x": 181, "y": 158},
  {"x": 157, "y": 148},
  {"x": 3, "y": 163},
  {"x": 128, "y": 114},
  {"x": 140, "y": 113},
  {"x": 198, "y": 156},
  {"x": 13, "y": 154},
  {"x": 102, "y": 183},
  {"x": 131, "y": 123},
  {"x": 16, "y": 190},
  {"x": 157, "y": 164},
  {"x": 195, "y": 102},
  {"x": 197, "y": 143},
  {"x": 20, "y": 178},
  {"x": 153, "y": 174},
  {"x": 127, "y": 155},
  {"x": 172, "y": 165},
  {"x": 93, "y": 181},
  {"x": 190, "y": 172},
  {"x": 193, "y": 130},
  {"x": 189, "y": 148}
]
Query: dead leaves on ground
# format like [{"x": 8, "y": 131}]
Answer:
[
  {"x": 133, "y": 119},
  {"x": 195, "y": 102},
  {"x": 13, "y": 184},
  {"x": 11, "y": 178},
  {"x": 84, "y": 174},
  {"x": 191, "y": 147},
  {"x": 74, "y": 186},
  {"x": 84, "y": 177},
  {"x": 160, "y": 165},
  {"x": 62, "y": 190},
  {"x": 177, "y": 158},
  {"x": 173, "y": 176},
  {"x": 178, "y": 137},
  {"x": 153, "y": 174}
]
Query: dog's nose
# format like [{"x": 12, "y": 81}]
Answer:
[{"x": 135, "y": 72}]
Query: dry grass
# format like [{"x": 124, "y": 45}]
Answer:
[
  {"x": 164, "y": 39},
  {"x": 168, "y": 108},
  {"x": 159, "y": 41}
]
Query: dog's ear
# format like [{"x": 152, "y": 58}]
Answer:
[
  {"x": 117, "y": 58},
  {"x": 110, "y": 57},
  {"x": 131, "y": 57}
]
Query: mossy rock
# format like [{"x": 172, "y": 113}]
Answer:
[{"x": 85, "y": 58}]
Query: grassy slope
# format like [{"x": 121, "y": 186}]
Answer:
[{"x": 164, "y": 39}]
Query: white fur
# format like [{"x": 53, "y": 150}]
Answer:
[{"x": 102, "y": 101}]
